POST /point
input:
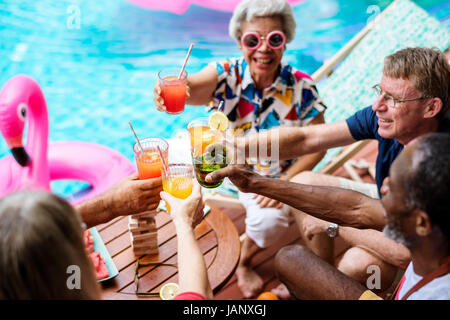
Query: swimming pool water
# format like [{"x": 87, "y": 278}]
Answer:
[{"x": 97, "y": 61}]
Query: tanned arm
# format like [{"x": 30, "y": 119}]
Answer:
[
  {"x": 128, "y": 196},
  {"x": 308, "y": 161},
  {"x": 292, "y": 142},
  {"x": 186, "y": 214},
  {"x": 342, "y": 206},
  {"x": 202, "y": 86}
]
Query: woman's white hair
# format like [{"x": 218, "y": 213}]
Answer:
[{"x": 249, "y": 9}]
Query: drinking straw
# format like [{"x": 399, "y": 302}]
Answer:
[
  {"x": 162, "y": 159},
  {"x": 137, "y": 139},
  {"x": 185, "y": 61},
  {"x": 219, "y": 108}
]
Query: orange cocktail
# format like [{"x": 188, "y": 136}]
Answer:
[
  {"x": 177, "y": 181},
  {"x": 173, "y": 90},
  {"x": 201, "y": 135},
  {"x": 149, "y": 163}
]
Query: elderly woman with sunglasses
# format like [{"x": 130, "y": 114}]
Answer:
[{"x": 259, "y": 91}]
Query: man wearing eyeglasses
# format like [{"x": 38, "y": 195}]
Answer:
[{"x": 413, "y": 99}]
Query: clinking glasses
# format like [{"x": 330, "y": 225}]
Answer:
[{"x": 274, "y": 40}]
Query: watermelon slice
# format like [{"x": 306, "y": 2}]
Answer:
[
  {"x": 101, "y": 271},
  {"x": 88, "y": 242},
  {"x": 99, "y": 265}
]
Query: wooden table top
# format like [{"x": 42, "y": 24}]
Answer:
[{"x": 217, "y": 237}]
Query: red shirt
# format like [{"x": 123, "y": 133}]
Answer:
[{"x": 189, "y": 295}]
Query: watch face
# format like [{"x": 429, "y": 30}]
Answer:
[{"x": 332, "y": 230}]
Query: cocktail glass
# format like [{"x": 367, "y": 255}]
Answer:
[
  {"x": 173, "y": 90},
  {"x": 149, "y": 163},
  {"x": 208, "y": 153},
  {"x": 177, "y": 181}
]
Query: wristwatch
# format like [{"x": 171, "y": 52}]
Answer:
[
  {"x": 332, "y": 230},
  {"x": 285, "y": 175}
]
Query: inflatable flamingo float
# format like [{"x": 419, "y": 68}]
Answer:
[
  {"x": 180, "y": 6},
  {"x": 34, "y": 166}
]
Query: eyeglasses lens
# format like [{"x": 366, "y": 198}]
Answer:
[
  {"x": 389, "y": 101},
  {"x": 276, "y": 40},
  {"x": 251, "y": 41}
]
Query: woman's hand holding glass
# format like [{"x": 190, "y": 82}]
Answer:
[
  {"x": 186, "y": 212},
  {"x": 159, "y": 101}
]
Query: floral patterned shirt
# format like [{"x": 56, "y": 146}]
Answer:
[{"x": 291, "y": 100}]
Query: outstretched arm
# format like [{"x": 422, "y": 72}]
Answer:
[
  {"x": 186, "y": 214},
  {"x": 306, "y": 162},
  {"x": 342, "y": 206},
  {"x": 128, "y": 196},
  {"x": 202, "y": 86},
  {"x": 292, "y": 142}
]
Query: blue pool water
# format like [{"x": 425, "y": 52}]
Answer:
[{"x": 97, "y": 61}]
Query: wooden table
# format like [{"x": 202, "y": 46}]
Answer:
[{"x": 217, "y": 237}]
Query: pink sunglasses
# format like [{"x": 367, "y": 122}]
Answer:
[{"x": 274, "y": 40}]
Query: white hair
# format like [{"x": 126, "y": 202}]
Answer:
[{"x": 249, "y": 9}]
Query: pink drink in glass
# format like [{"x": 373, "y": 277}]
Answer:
[{"x": 173, "y": 90}]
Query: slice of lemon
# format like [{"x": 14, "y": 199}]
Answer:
[
  {"x": 168, "y": 291},
  {"x": 218, "y": 120}
]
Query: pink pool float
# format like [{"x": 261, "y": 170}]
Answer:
[
  {"x": 180, "y": 6},
  {"x": 38, "y": 163}
]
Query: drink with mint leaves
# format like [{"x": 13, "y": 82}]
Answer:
[{"x": 214, "y": 158}]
